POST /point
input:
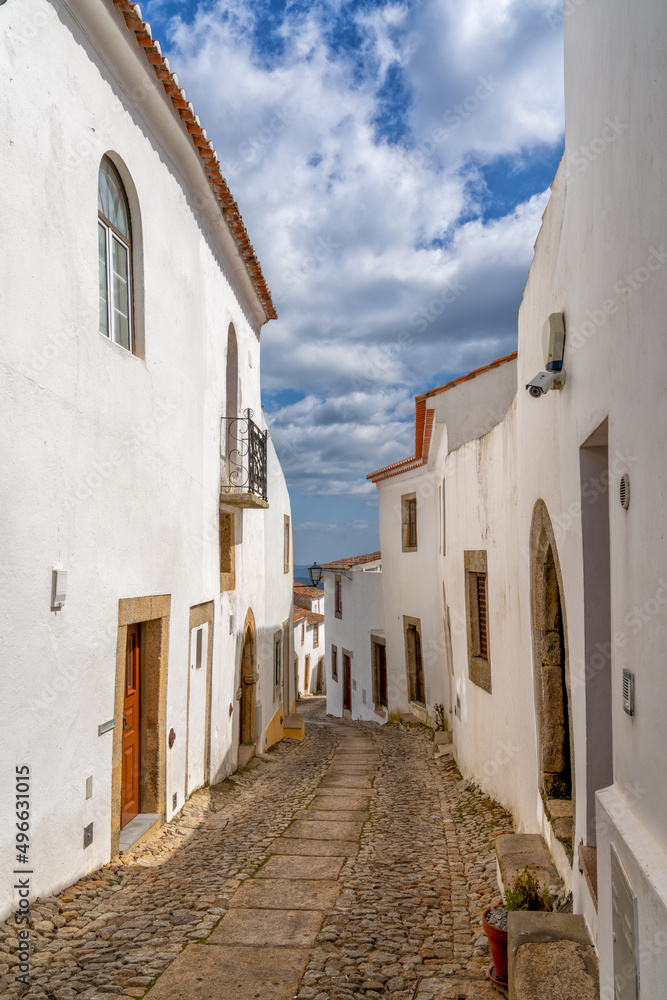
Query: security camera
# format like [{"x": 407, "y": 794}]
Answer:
[{"x": 545, "y": 381}]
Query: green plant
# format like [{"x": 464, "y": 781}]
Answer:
[
  {"x": 440, "y": 720},
  {"x": 525, "y": 893}
]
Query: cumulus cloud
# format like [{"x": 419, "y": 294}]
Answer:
[{"x": 358, "y": 141}]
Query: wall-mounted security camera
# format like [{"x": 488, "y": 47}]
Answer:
[
  {"x": 545, "y": 381},
  {"x": 553, "y": 343}
]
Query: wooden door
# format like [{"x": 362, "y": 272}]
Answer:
[
  {"x": 347, "y": 682},
  {"x": 306, "y": 676},
  {"x": 382, "y": 673},
  {"x": 320, "y": 676},
  {"x": 131, "y": 770}
]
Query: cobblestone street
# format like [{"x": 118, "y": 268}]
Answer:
[{"x": 355, "y": 864}]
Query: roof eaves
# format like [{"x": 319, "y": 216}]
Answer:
[{"x": 203, "y": 146}]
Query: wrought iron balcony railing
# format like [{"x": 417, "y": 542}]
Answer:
[{"x": 243, "y": 462}]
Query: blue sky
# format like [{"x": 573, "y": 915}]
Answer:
[{"x": 387, "y": 157}]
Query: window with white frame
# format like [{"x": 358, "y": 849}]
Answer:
[{"x": 114, "y": 241}]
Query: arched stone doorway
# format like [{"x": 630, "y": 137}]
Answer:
[
  {"x": 249, "y": 678},
  {"x": 552, "y": 679}
]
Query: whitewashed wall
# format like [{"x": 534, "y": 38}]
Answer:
[
  {"x": 308, "y": 649},
  {"x": 363, "y": 616},
  {"x": 111, "y": 462}
]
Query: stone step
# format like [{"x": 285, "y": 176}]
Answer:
[
  {"x": 551, "y": 957},
  {"x": 516, "y": 851},
  {"x": 246, "y": 753},
  {"x": 294, "y": 726}
]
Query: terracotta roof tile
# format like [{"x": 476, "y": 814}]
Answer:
[
  {"x": 203, "y": 146},
  {"x": 305, "y": 591},
  {"x": 353, "y": 561},
  {"x": 424, "y": 420},
  {"x": 312, "y": 617}
]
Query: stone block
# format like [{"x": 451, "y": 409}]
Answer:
[
  {"x": 312, "y": 830},
  {"x": 315, "y": 848},
  {"x": 550, "y": 957},
  {"x": 297, "y": 928},
  {"x": 286, "y": 894},
  {"x": 221, "y": 972},
  {"x": 516, "y": 851},
  {"x": 300, "y": 866}
]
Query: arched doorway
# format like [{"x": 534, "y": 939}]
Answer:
[
  {"x": 552, "y": 679},
  {"x": 249, "y": 678}
]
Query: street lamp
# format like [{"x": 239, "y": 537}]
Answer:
[{"x": 315, "y": 574}]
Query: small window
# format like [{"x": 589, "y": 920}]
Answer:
[
  {"x": 286, "y": 546},
  {"x": 227, "y": 572},
  {"x": 338, "y": 593},
  {"x": 114, "y": 238},
  {"x": 334, "y": 663},
  {"x": 483, "y": 643},
  {"x": 444, "y": 520},
  {"x": 276, "y": 661},
  {"x": 409, "y": 505},
  {"x": 316, "y": 635},
  {"x": 200, "y": 637},
  {"x": 303, "y": 632},
  {"x": 477, "y": 613}
]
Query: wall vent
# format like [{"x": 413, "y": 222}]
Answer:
[
  {"x": 363, "y": 696},
  {"x": 258, "y": 721},
  {"x": 628, "y": 692},
  {"x": 174, "y": 801},
  {"x": 624, "y": 492},
  {"x": 87, "y": 835}
]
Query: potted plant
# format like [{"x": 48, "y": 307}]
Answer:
[{"x": 525, "y": 893}]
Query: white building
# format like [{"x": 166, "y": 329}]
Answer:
[
  {"x": 550, "y": 584},
  {"x": 356, "y": 664},
  {"x": 147, "y": 608},
  {"x": 309, "y": 649},
  {"x": 310, "y": 598}
]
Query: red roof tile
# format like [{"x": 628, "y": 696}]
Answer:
[
  {"x": 202, "y": 145},
  {"x": 312, "y": 617},
  {"x": 305, "y": 591},
  {"x": 354, "y": 561},
  {"x": 424, "y": 420}
]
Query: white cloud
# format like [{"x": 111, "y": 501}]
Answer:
[{"x": 385, "y": 277}]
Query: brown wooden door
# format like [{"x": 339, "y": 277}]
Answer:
[
  {"x": 382, "y": 673},
  {"x": 131, "y": 730},
  {"x": 347, "y": 682}
]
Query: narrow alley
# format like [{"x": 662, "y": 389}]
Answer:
[{"x": 355, "y": 864}]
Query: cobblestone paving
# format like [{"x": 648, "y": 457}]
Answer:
[{"x": 407, "y": 921}]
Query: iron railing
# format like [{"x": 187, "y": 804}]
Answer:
[{"x": 243, "y": 456}]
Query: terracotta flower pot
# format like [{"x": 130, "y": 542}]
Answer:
[{"x": 497, "y": 944}]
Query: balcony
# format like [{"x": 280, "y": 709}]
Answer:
[{"x": 243, "y": 479}]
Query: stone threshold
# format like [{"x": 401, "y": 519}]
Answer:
[{"x": 137, "y": 829}]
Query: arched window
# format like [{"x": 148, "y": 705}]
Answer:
[{"x": 115, "y": 257}]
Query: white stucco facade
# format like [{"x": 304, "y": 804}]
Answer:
[
  {"x": 353, "y": 631},
  {"x": 309, "y": 652},
  {"x": 111, "y": 459},
  {"x": 574, "y": 581}
]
